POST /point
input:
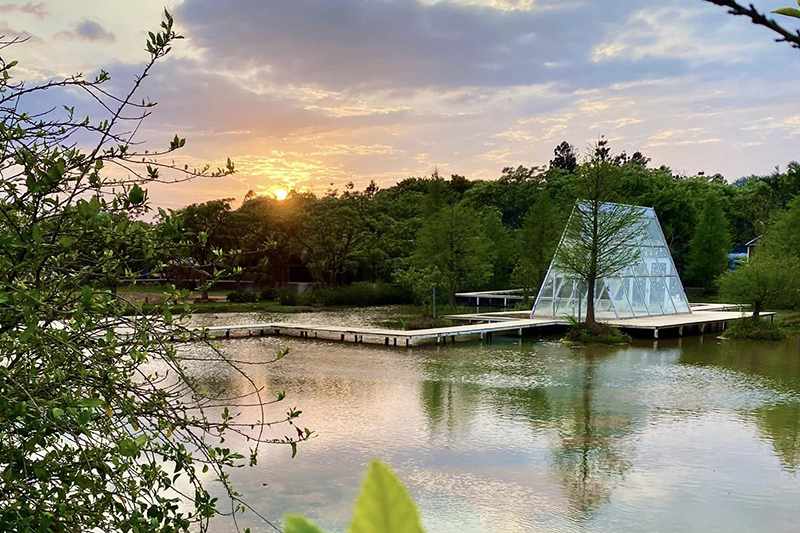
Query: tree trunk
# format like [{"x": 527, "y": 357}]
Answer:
[
  {"x": 590, "y": 321},
  {"x": 756, "y": 311}
]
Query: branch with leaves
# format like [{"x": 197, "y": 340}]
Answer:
[
  {"x": 104, "y": 423},
  {"x": 760, "y": 19}
]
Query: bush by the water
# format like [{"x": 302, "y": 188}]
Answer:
[
  {"x": 597, "y": 334},
  {"x": 287, "y": 297},
  {"x": 268, "y": 294},
  {"x": 363, "y": 294},
  {"x": 242, "y": 297},
  {"x": 756, "y": 331}
]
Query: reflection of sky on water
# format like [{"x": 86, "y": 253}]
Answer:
[{"x": 536, "y": 436}]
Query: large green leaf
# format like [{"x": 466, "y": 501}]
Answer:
[
  {"x": 298, "y": 524},
  {"x": 788, "y": 11},
  {"x": 384, "y": 506}
]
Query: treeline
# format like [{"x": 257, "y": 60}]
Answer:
[{"x": 459, "y": 234}]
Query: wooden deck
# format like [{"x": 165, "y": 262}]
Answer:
[
  {"x": 703, "y": 317},
  {"x": 388, "y": 337}
]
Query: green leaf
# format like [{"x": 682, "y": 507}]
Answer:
[
  {"x": 298, "y": 524},
  {"x": 58, "y": 414},
  {"x": 36, "y": 233},
  {"x": 136, "y": 195},
  {"x": 788, "y": 11},
  {"x": 384, "y": 505},
  {"x": 294, "y": 449}
]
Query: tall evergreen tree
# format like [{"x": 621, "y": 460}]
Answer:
[
  {"x": 708, "y": 251},
  {"x": 537, "y": 241},
  {"x": 452, "y": 241}
]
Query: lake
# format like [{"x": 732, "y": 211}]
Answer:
[{"x": 530, "y": 435}]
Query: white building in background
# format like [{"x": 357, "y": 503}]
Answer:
[{"x": 650, "y": 287}]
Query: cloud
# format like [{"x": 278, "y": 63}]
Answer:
[
  {"x": 403, "y": 45},
  {"x": 38, "y": 10},
  {"x": 7, "y": 35},
  {"x": 87, "y": 30},
  {"x": 672, "y": 33}
]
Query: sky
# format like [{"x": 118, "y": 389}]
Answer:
[{"x": 305, "y": 93}]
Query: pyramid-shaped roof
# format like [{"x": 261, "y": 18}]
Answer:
[{"x": 650, "y": 287}]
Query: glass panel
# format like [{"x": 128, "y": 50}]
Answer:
[
  {"x": 544, "y": 305},
  {"x": 677, "y": 294},
  {"x": 636, "y": 297},
  {"x": 603, "y": 307},
  {"x": 619, "y": 297},
  {"x": 656, "y": 296}
]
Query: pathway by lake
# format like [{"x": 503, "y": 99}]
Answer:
[{"x": 533, "y": 436}]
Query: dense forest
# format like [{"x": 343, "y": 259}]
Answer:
[{"x": 462, "y": 234}]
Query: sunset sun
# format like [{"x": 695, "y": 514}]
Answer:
[{"x": 281, "y": 194}]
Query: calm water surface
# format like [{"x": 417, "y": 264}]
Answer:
[{"x": 532, "y": 435}]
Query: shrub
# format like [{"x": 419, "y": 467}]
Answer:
[
  {"x": 599, "y": 334},
  {"x": 267, "y": 295},
  {"x": 364, "y": 294},
  {"x": 241, "y": 297},
  {"x": 287, "y": 297},
  {"x": 755, "y": 331}
]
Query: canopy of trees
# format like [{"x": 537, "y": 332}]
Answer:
[{"x": 476, "y": 234}]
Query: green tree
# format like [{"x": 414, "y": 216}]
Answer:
[
  {"x": 103, "y": 427},
  {"x": 763, "y": 281},
  {"x": 565, "y": 157},
  {"x": 711, "y": 243},
  {"x": 206, "y": 227},
  {"x": 451, "y": 240},
  {"x": 537, "y": 241},
  {"x": 329, "y": 232},
  {"x": 598, "y": 234},
  {"x": 783, "y": 236}
]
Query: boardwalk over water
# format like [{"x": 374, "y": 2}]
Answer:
[{"x": 704, "y": 317}]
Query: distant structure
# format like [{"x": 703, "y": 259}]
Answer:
[
  {"x": 651, "y": 287},
  {"x": 742, "y": 252}
]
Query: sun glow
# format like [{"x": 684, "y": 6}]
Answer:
[{"x": 281, "y": 194}]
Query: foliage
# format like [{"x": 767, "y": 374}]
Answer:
[
  {"x": 565, "y": 157},
  {"x": 421, "y": 282},
  {"x": 103, "y": 427},
  {"x": 242, "y": 296},
  {"x": 763, "y": 281},
  {"x": 362, "y": 294},
  {"x": 783, "y": 237},
  {"x": 288, "y": 297},
  {"x": 597, "y": 334},
  {"x": 451, "y": 240},
  {"x": 383, "y": 506},
  {"x": 596, "y": 241},
  {"x": 711, "y": 243},
  {"x": 537, "y": 241},
  {"x": 760, "y": 330},
  {"x": 329, "y": 232}
]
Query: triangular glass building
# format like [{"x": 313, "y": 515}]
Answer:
[{"x": 650, "y": 287}]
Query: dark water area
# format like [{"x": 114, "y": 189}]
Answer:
[{"x": 692, "y": 434}]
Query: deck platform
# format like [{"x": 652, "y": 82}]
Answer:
[
  {"x": 704, "y": 317},
  {"x": 387, "y": 337}
]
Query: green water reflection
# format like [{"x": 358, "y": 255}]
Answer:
[{"x": 515, "y": 436}]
